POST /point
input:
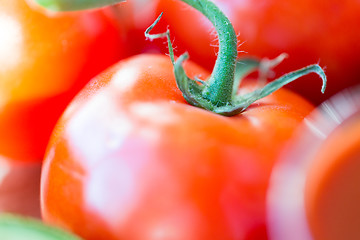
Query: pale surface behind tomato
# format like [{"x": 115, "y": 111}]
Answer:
[
  {"x": 44, "y": 60},
  {"x": 309, "y": 31},
  {"x": 130, "y": 159}
]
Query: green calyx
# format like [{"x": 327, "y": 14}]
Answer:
[
  {"x": 193, "y": 89},
  {"x": 74, "y": 5},
  {"x": 219, "y": 93},
  {"x": 19, "y": 228}
]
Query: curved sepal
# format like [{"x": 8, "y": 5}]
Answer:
[
  {"x": 241, "y": 102},
  {"x": 191, "y": 90}
]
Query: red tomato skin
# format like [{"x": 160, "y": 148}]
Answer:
[
  {"x": 46, "y": 59},
  {"x": 130, "y": 159},
  {"x": 310, "y": 32}
]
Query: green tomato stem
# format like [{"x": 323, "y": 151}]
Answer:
[
  {"x": 219, "y": 86},
  {"x": 219, "y": 93}
]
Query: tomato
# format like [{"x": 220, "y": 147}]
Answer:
[
  {"x": 314, "y": 187},
  {"x": 45, "y": 59},
  {"x": 130, "y": 159},
  {"x": 310, "y": 32}
]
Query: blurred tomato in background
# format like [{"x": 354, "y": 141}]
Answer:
[
  {"x": 132, "y": 19},
  {"x": 45, "y": 58},
  {"x": 310, "y": 32}
]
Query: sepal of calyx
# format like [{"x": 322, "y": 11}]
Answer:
[{"x": 193, "y": 90}]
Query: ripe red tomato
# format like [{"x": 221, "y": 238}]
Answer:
[
  {"x": 44, "y": 60},
  {"x": 130, "y": 159},
  {"x": 309, "y": 31}
]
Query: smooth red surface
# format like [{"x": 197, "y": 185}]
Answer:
[
  {"x": 45, "y": 59},
  {"x": 332, "y": 188},
  {"x": 130, "y": 159},
  {"x": 323, "y": 32}
]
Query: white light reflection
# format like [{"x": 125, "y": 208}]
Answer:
[
  {"x": 121, "y": 177},
  {"x": 98, "y": 129},
  {"x": 11, "y": 42},
  {"x": 125, "y": 78},
  {"x": 4, "y": 169}
]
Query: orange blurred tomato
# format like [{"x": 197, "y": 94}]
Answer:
[
  {"x": 133, "y": 18},
  {"x": 45, "y": 58}
]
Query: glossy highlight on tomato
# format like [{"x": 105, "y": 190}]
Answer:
[
  {"x": 308, "y": 31},
  {"x": 45, "y": 58},
  {"x": 130, "y": 159}
]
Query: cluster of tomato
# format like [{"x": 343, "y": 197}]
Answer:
[{"x": 124, "y": 156}]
